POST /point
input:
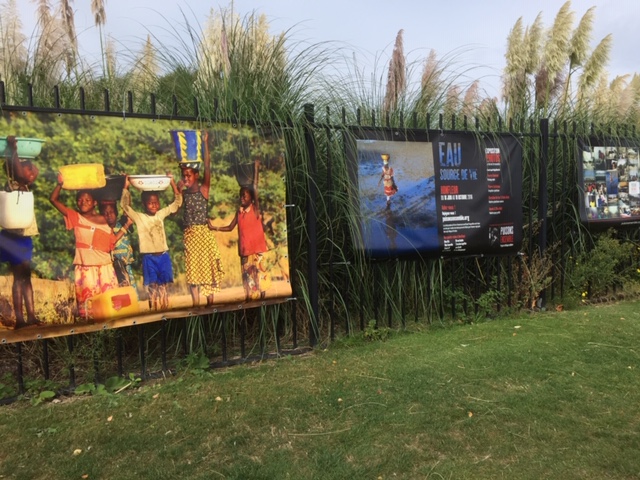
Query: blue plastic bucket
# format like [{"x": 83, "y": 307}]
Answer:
[{"x": 189, "y": 145}]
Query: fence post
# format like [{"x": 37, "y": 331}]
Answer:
[
  {"x": 312, "y": 246},
  {"x": 329, "y": 180},
  {"x": 543, "y": 195}
]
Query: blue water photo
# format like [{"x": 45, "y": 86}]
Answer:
[{"x": 404, "y": 223}]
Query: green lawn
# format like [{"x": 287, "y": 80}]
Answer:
[{"x": 546, "y": 395}]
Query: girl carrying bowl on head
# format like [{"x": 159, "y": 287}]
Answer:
[{"x": 94, "y": 241}]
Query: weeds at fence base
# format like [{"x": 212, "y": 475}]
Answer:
[{"x": 373, "y": 333}]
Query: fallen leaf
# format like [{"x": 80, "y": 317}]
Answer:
[
  {"x": 218, "y": 399},
  {"x": 77, "y": 451},
  {"x": 514, "y": 334},
  {"x": 109, "y": 418},
  {"x": 156, "y": 395}
]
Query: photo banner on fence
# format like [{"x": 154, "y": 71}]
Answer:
[
  {"x": 608, "y": 179},
  {"x": 109, "y": 222},
  {"x": 449, "y": 194}
]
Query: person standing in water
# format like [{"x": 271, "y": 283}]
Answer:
[{"x": 386, "y": 178}]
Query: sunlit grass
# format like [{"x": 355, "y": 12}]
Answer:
[{"x": 533, "y": 396}]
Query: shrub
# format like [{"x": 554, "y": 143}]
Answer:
[{"x": 603, "y": 268}]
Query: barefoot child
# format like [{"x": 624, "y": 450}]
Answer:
[
  {"x": 251, "y": 240},
  {"x": 202, "y": 258},
  {"x": 16, "y": 245},
  {"x": 94, "y": 240},
  {"x": 157, "y": 270}
]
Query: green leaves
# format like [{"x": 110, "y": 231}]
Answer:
[
  {"x": 197, "y": 362},
  {"x": 43, "y": 396},
  {"x": 112, "y": 385}
]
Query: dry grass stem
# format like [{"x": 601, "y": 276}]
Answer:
[
  {"x": 556, "y": 48},
  {"x": 594, "y": 67},
  {"x": 580, "y": 40},
  {"x": 533, "y": 40},
  {"x": 396, "y": 78},
  {"x": 99, "y": 12}
]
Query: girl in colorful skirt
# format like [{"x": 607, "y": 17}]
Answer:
[
  {"x": 94, "y": 240},
  {"x": 251, "y": 239},
  {"x": 204, "y": 269}
]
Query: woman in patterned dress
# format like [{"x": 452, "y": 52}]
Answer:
[{"x": 203, "y": 266}]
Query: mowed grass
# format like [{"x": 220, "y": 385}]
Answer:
[{"x": 546, "y": 395}]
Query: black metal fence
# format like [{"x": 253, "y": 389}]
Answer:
[
  {"x": 336, "y": 291},
  {"x": 468, "y": 286}
]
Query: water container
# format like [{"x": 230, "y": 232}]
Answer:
[
  {"x": 189, "y": 146},
  {"x": 27, "y": 147},
  {"x": 83, "y": 176},
  {"x": 112, "y": 191},
  {"x": 117, "y": 302},
  {"x": 245, "y": 173},
  {"x": 16, "y": 209}
]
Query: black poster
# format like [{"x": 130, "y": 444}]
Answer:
[
  {"x": 479, "y": 192},
  {"x": 444, "y": 195}
]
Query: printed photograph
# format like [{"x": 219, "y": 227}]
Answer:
[
  {"x": 397, "y": 197},
  {"x": 104, "y": 218},
  {"x": 610, "y": 183}
]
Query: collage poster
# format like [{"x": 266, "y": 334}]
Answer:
[
  {"x": 608, "y": 177},
  {"x": 453, "y": 195},
  {"x": 112, "y": 221}
]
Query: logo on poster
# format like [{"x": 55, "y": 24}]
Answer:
[{"x": 506, "y": 235}]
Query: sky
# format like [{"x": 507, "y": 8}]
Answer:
[{"x": 470, "y": 34}]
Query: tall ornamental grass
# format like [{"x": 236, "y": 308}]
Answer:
[{"x": 229, "y": 67}]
